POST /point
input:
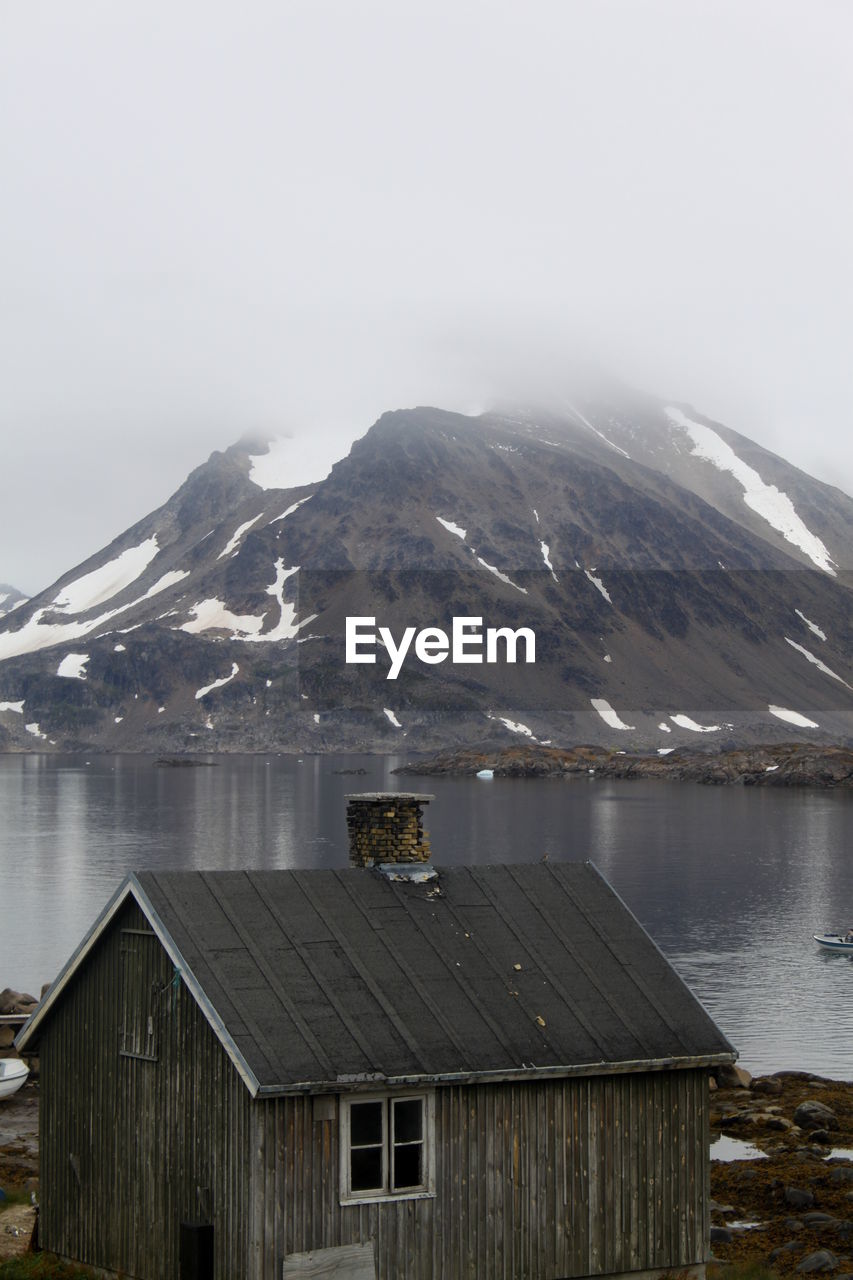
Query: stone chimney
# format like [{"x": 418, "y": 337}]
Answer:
[{"x": 387, "y": 827}]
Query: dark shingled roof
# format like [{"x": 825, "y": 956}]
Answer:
[{"x": 322, "y": 976}]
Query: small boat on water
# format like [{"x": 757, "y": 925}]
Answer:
[
  {"x": 13, "y": 1073},
  {"x": 834, "y": 942}
]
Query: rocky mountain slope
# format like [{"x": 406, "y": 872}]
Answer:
[{"x": 684, "y": 586}]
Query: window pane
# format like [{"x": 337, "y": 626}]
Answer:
[
  {"x": 366, "y": 1123},
  {"x": 366, "y": 1169},
  {"x": 408, "y": 1120},
  {"x": 408, "y": 1166}
]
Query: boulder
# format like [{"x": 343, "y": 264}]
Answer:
[
  {"x": 790, "y": 1247},
  {"x": 766, "y": 1084},
  {"x": 721, "y": 1235},
  {"x": 731, "y": 1077},
  {"x": 16, "y": 1001},
  {"x": 7, "y": 1037},
  {"x": 812, "y": 1114},
  {"x": 799, "y": 1198},
  {"x": 822, "y": 1260}
]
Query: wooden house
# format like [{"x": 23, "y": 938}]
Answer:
[{"x": 386, "y": 1070}]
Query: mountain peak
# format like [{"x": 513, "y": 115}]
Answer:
[{"x": 681, "y": 583}]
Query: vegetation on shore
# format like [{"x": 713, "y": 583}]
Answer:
[{"x": 41, "y": 1266}]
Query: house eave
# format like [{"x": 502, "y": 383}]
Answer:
[{"x": 368, "y": 1081}]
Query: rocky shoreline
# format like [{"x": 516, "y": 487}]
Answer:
[
  {"x": 790, "y": 764},
  {"x": 783, "y": 1198}
]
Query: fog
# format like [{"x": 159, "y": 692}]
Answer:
[{"x": 291, "y": 215}]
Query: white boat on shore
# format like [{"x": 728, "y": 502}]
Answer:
[
  {"x": 13, "y": 1073},
  {"x": 834, "y": 942}
]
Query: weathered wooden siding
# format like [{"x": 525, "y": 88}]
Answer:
[
  {"x": 129, "y": 1147},
  {"x": 586, "y": 1176},
  {"x": 547, "y": 1180}
]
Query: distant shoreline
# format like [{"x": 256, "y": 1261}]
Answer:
[{"x": 790, "y": 764}]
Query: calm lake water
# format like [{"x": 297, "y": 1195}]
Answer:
[{"x": 730, "y": 882}]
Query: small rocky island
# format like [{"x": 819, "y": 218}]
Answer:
[{"x": 788, "y": 764}]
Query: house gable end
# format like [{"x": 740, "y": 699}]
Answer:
[{"x": 132, "y": 890}]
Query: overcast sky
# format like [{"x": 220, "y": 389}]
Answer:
[{"x": 282, "y": 215}]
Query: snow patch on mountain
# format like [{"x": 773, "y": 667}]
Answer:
[
  {"x": 234, "y": 541},
  {"x": 598, "y": 584},
  {"x": 793, "y": 717},
  {"x": 290, "y": 510},
  {"x": 217, "y": 684},
  {"x": 577, "y": 413},
  {"x": 9, "y": 602},
  {"x": 287, "y": 626},
  {"x": 459, "y": 532},
  {"x": 491, "y": 568},
  {"x": 546, "y": 557},
  {"x": 291, "y": 462},
  {"x": 515, "y": 726},
  {"x": 168, "y": 580},
  {"x": 765, "y": 500},
  {"x": 812, "y": 626},
  {"x": 390, "y": 714},
  {"x": 684, "y": 722},
  {"x": 73, "y": 666},
  {"x": 102, "y": 584},
  {"x": 17, "y": 707},
  {"x": 35, "y": 634},
  {"x": 452, "y": 528},
  {"x": 608, "y": 715},
  {"x": 821, "y": 666},
  {"x": 208, "y": 615}
]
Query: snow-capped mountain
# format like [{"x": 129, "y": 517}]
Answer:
[
  {"x": 10, "y": 598},
  {"x": 682, "y": 584}
]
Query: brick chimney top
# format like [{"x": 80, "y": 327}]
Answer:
[{"x": 387, "y": 827}]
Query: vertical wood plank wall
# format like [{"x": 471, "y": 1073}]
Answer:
[
  {"x": 549, "y": 1180},
  {"x": 130, "y": 1148},
  {"x": 585, "y": 1176}
]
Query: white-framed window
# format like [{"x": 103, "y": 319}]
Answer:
[{"x": 387, "y": 1147}]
